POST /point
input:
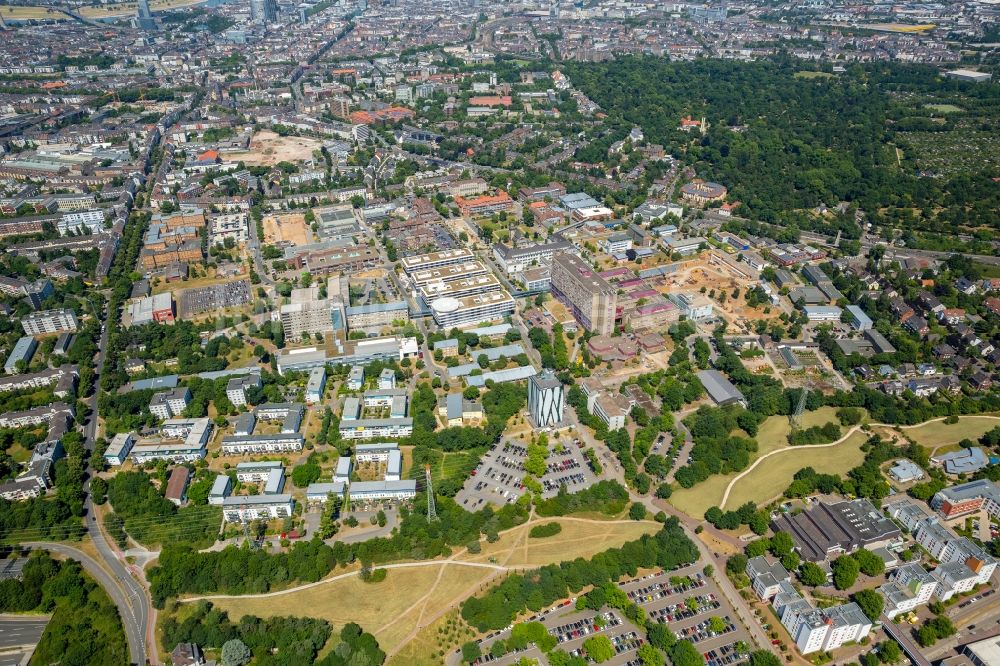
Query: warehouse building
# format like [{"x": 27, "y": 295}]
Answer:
[
  {"x": 829, "y": 530},
  {"x": 720, "y": 389}
]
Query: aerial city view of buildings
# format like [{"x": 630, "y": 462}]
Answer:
[{"x": 465, "y": 332}]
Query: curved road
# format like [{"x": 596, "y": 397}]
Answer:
[{"x": 134, "y": 628}]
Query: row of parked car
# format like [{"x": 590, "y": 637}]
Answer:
[{"x": 701, "y": 631}]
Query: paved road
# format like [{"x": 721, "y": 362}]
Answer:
[
  {"x": 135, "y": 626},
  {"x": 706, "y": 555},
  {"x": 19, "y": 631}
]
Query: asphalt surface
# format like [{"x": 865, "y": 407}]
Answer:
[
  {"x": 21, "y": 632},
  {"x": 129, "y": 595},
  {"x": 135, "y": 629}
]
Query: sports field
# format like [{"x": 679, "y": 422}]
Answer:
[{"x": 771, "y": 436}]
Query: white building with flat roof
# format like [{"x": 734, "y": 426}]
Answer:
[
  {"x": 238, "y": 508},
  {"x": 119, "y": 448}
]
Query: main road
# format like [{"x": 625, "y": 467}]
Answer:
[
  {"x": 137, "y": 610},
  {"x": 135, "y": 627}
]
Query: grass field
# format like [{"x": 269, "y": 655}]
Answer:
[
  {"x": 444, "y": 634},
  {"x": 944, "y": 108},
  {"x": 416, "y": 598},
  {"x": 939, "y": 433},
  {"x": 772, "y": 477},
  {"x": 577, "y": 539},
  {"x": 813, "y": 75},
  {"x": 771, "y": 436}
]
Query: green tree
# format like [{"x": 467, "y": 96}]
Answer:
[
  {"x": 845, "y": 571},
  {"x": 870, "y": 602},
  {"x": 637, "y": 511},
  {"x": 599, "y": 648},
  {"x": 471, "y": 651},
  {"x": 812, "y": 575},
  {"x": 304, "y": 474},
  {"x": 650, "y": 656},
  {"x": 235, "y": 653}
]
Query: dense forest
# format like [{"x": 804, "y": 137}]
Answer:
[
  {"x": 783, "y": 144},
  {"x": 85, "y": 629}
]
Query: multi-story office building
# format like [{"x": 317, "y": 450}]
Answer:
[
  {"x": 515, "y": 260},
  {"x": 169, "y": 404},
  {"x": 49, "y": 321},
  {"x": 263, "y": 11},
  {"x": 968, "y": 498},
  {"x": 449, "y": 312},
  {"x": 693, "y": 306},
  {"x": 589, "y": 297},
  {"x": 545, "y": 399},
  {"x": 431, "y": 260}
]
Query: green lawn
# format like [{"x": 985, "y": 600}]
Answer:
[
  {"x": 939, "y": 433},
  {"x": 772, "y": 477},
  {"x": 771, "y": 436}
]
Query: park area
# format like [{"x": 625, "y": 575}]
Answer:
[
  {"x": 267, "y": 148},
  {"x": 936, "y": 436},
  {"x": 771, "y": 477},
  {"x": 412, "y": 600}
]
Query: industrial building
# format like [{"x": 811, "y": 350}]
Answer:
[{"x": 829, "y": 530}]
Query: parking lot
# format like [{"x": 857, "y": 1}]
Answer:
[
  {"x": 215, "y": 297},
  {"x": 685, "y": 600},
  {"x": 499, "y": 477}
]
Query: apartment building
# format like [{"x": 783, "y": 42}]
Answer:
[
  {"x": 119, "y": 448},
  {"x": 276, "y": 443},
  {"x": 237, "y": 387},
  {"x": 241, "y": 508},
  {"x": 22, "y": 353},
  {"x": 815, "y": 629},
  {"x": 64, "y": 378},
  {"x": 484, "y": 205},
  {"x": 352, "y": 426},
  {"x": 911, "y": 586},
  {"x": 193, "y": 435},
  {"x": 377, "y": 315},
  {"x": 378, "y": 491},
  {"x": 589, "y": 297},
  {"x": 49, "y": 321},
  {"x": 168, "y": 404},
  {"x": 315, "y": 385}
]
